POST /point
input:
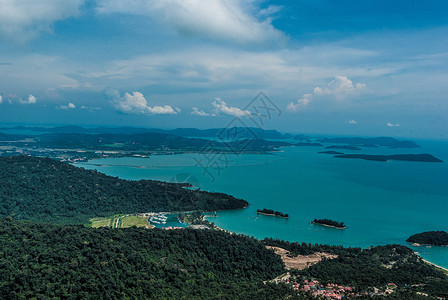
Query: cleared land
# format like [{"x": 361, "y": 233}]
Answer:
[
  {"x": 300, "y": 262},
  {"x": 100, "y": 222},
  {"x": 130, "y": 221},
  {"x": 120, "y": 221}
]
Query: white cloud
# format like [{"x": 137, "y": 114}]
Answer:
[
  {"x": 1, "y": 99},
  {"x": 136, "y": 103},
  {"x": 221, "y": 106},
  {"x": 302, "y": 102},
  {"x": 30, "y": 100},
  {"x": 392, "y": 124},
  {"x": 68, "y": 106},
  {"x": 22, "y": 20},
  {"x": 340, "y": 87},
  {"x": 352, "y": 122},
  {"x": 229, "y": 20},
  {"x": 201, "y": 113}
]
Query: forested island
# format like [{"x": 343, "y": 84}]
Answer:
[
  {"x": 331, "y": 223},
  {"x": 435, "y": 238},
  {"x": 402, "y": 157},
  {"x": 271, "y": 212},
  {"x": 46, "y": 190}
]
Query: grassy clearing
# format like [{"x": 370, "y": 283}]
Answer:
[
  {"x": 100, "y": 222},
  {"x": 130, "y": 221}
]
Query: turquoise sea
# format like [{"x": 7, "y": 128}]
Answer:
[{"x": 380, "y": 202}]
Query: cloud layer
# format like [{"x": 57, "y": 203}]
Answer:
[
  {"x": 228, "y": 20},
  {"x": 21, "y": 20}
]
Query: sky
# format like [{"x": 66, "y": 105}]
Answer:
[{"x": 346, "y": 67}]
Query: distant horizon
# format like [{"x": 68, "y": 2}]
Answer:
[{"x": 310, "y": 134}]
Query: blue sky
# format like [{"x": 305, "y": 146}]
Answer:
[{"x": 331, "y": 67}]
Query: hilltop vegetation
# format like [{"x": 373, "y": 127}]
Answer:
[{"x": 45, "y": 190}]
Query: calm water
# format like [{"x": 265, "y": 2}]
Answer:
[{"x": 380, "y": 202}]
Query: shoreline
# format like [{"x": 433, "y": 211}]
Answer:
[
  {"x": 273, "y": 215},
  {"x": 331, "y": 226},
  {"x": 433, "y": 264}
]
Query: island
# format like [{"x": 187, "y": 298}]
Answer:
[
  {"x": 402, "y": 157},
  {"x": 343, "y": 147},
  {"x": 270, "y": 212},
  {"x": 434, "y": 238},
  {"x": 331, "y": 152},
  {"x": 329, "y": 223},
  {"x": 303, "y": 144},
  {"x": 377, "y": 141}
]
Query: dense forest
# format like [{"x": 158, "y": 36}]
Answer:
[
  {"x": 47, "y": 261},
  {"x": 44, "y": 261},
  {"x": 44, "y": 190},
  {"x": 329, "y": 223},
  {"x": 373, "y": 267},
  {"x": 436, "y": 238}
]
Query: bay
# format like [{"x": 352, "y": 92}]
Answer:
[{"x": 380, "y": 202}]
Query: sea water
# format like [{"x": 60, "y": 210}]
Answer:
[{"x": 379, "y": 202}]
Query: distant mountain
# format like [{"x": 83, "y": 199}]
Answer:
[{"x": 240, "y": 132}]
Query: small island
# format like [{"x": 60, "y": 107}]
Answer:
[
  {"x": 332, "y": 152},
  {"x": 329, "y": 223},
  {"x": 434, "y": 238},
  {"x": 402, "y": 157},
  {"x": 270, "y": 212},
  {"x": 343, "y": 147}
]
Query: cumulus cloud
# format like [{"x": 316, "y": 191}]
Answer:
[
  {"x": 68, "y": 106},
  {"x": 30, "y": 100},
  {"x": 1, "y": 99},
  {"x": 201, "y": 113},
  {"x": 340, "y": 87},
  {"x": 222, "y": 107},
  {"x": 352, "y": 122},
  {"x": 302, "y": 102},
  {"x": 229, "y": 20},
  {"x": 23, "y": 20},
  {"x": 135, "y": 103},
  {"x": 392, "y": 124}
]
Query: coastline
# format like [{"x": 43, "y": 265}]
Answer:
[
  {"x": 331, "y": 226},
  {"x": 273, "y": 215},
  {"x": 433, "y": 264}
]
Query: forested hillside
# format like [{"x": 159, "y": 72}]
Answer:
[
  {"x": 74, "y": 262},
  {"x": 44, "y": 190}
]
